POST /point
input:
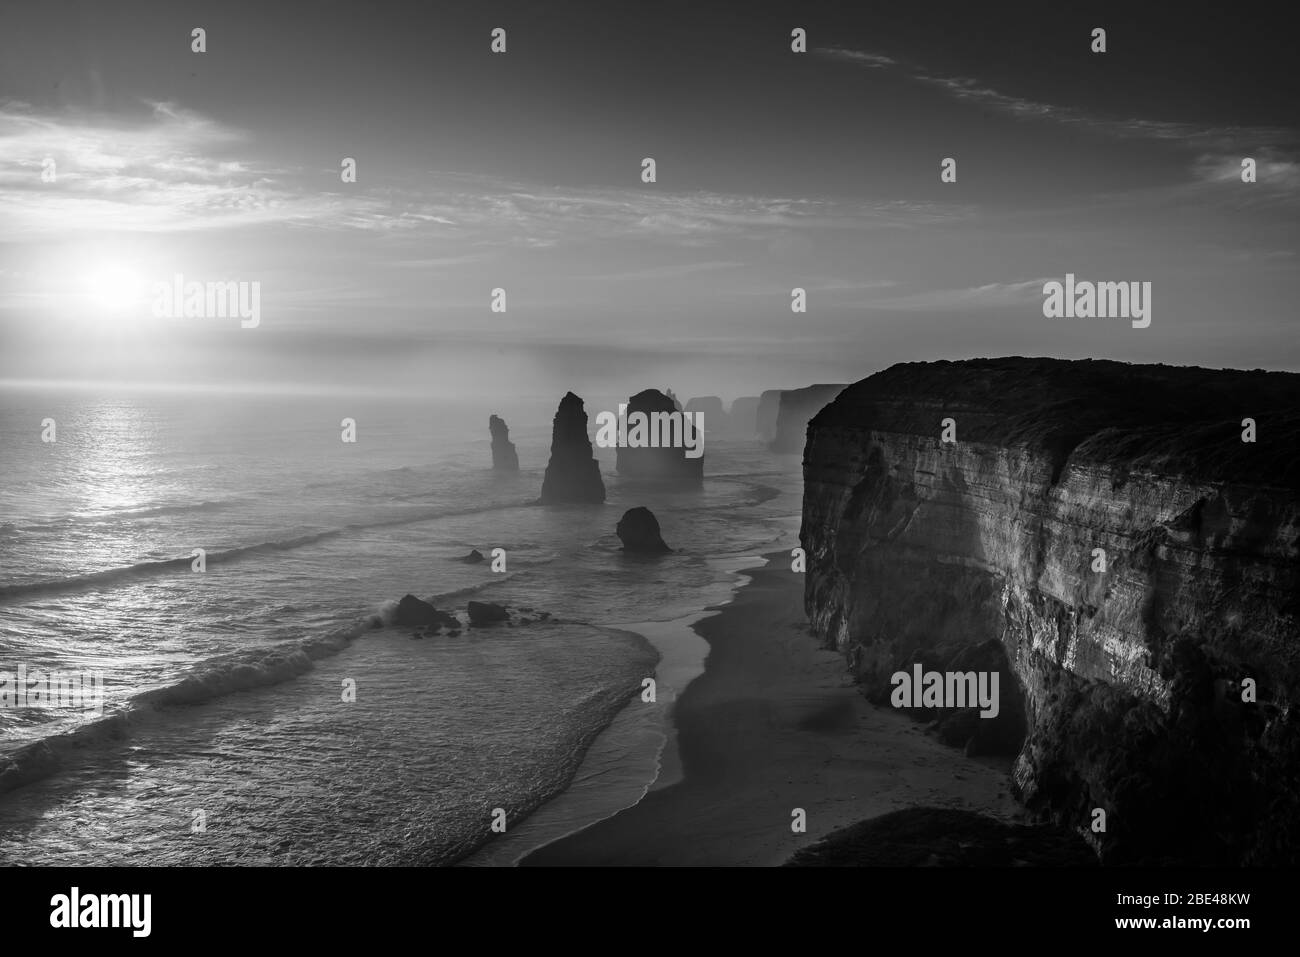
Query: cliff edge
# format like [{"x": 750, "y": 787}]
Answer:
[{"x": 1157, "y": 677}]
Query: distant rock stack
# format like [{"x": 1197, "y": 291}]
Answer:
[
  {"x": 769, "y": 403},
  {"x": 743, "y": 416},
  {"x": 715, "y": 420},
  {"x": 658, "y": 463},
  {"x": 795, "y": 409},
  {"x": 504, "y": 457},
  {"x": 572, "y": 475}
]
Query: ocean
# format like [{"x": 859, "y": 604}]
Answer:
[{"x": 227, "y": 735}]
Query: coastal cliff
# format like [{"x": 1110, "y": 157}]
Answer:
[
  {"x": 795, "y": 407},
  {"x": 769, "y": 404},
  {"x": 1159, "y": 690}
]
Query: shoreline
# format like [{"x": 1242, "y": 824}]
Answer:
[
  {"x": 636, "y": 753},
  {"x": 774, "y": 723}
]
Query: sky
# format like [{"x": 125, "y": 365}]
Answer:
[{"x": 522, "y": 170}]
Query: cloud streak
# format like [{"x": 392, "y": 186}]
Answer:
[
  {"x": 986, "y": 296},
  {"x": 175, "y": 170},
  {"x": 1218, "y": 140}
]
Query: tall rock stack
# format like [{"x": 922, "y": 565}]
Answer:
[
  {"x": 659, "y": 463},
  {"x": 573, "y": 474},
  {"x": 504, "y": 456}
]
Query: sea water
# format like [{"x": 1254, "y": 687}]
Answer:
[{"x": 229, "y": 734}]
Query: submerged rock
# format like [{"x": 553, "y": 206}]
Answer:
[
  {"x": 573, "y": 474},
  {"x": 638, "y": 530},
  {"x": 413, "y": 611},
  {"x": 473, "y": 558},
  {"x": 486, "y": 612}
]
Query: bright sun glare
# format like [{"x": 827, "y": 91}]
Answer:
[{"x": 115, "y": 291}]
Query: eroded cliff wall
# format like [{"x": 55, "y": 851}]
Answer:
[
  {"x": 795, "y": 407},
  {"x": 769, "y": 404},
  {"x": 1130, "y": 680}
]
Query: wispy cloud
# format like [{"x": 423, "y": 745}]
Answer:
[
  {"x": 671, "y": 271},
  {"x": 1272, "y": 169},
  {"x": 174, "y": 170},
  {"x": 1192, "y": 136},
  {"x": 873, "y": 60},
  {"x": 988, "y": 295},
  {"x": 167, "y": 170}
]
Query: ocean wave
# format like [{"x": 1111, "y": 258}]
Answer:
[
  {"x": 127, "y": 573},
  {"x": 215, "y": 678},
  {"x": 110, "y": 516},
  {"x": 151, "y": 510}
]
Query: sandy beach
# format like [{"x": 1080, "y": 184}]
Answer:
[{"x": 774, "y": 724}]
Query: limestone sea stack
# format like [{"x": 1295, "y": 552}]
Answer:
[
  {"x": 572, "y": 475},
  {"x": 638, "y": 530},
  {"x": 664, "y": 463},
  {"x": 715, "y": 419},
  {"x": 1126, "y": 538},
  {"x": 743, "y": 416},
  {"x": 504, "y": 457},
  {"x": 795, "y": 408}
]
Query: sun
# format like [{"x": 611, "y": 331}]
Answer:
[{"x": 115, "y": 291}]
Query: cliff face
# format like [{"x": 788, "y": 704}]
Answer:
[
  {"x": 504, "y": 456},
  {"x": 1130, "y": 679},
  {"x": 663, "y": 463},
  {"x": 573, "y": 474},
  {"x": 795, "y": 408},
  {"x": 765, "y": 418}
]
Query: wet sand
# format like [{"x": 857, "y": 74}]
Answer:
[{"x": 775, "y": 724}]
